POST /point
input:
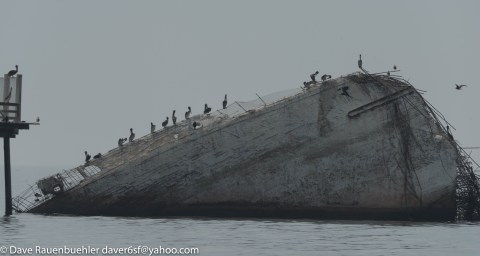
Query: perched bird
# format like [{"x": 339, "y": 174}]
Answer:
[
  {"x": 132, "y": 135},
  {"x": 344, "y": 91},
  {"x": 38, "y": 195},
  {"x": 120, "y": 142},
  {"x": 325, "y": 77},
  {"x": 38, "y": 119},
  {"x": 360, "y": 62},
  {"x": 459, "y": 87},
  {"x": 13, "y": 72},
  {"x": 87, "y": 157},
  {"x": 306, "y": 85},
  {"x": 187, "y": 114},
  {"x": 394, "y": 67},
  {"x": 195, "y": 125},
  {"x": 224, "y": 103},
  {"x": 97, "y": 156},
  {"x": 312, "y": 76},
  {"x": 164, "y": 123},
  {"x": 152, "y": 127},
  {"x": 174, "y": 118},
  {"x": 207, "y": 109}
]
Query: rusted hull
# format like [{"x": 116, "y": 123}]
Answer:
[{"x": 376, "y": 154}]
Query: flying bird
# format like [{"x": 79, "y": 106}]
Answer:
[
  {"x": 224, "y": 103},
  {"x": 207, "y": 109},
  {"x": 459, "y": 87},
  {"x": 13, "y": 71}
]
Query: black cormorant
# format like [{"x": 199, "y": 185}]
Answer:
[
  {"x": 13, "y": 71},
  {"x": 152, "y": 127},
  {"x": 394, "y": 67},
  {"x": 344, "y": 91},
  {"x": 97, "y": 156},
  {"x": 312, "y": 76},
  {"x": 360, "y": 62},
  {"x": 207, "y": 109},
  {"x": 132, "y": 135},
  {"x": 38, "y": 119},
  {"x": 87, "y": 157},
  {"x": 187, "y": 114},
  {"x": 459, "y": 87},
  {"x": 174, "y": 118},
  {"x": 195, "y": 125},
  {"x": 224, "y": 103},
  {"x": 164, "y": 123}
]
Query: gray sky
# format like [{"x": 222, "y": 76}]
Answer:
[{"x": 94, "y": 69}]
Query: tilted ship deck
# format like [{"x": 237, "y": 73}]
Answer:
[{"x": 358, "y": 146}]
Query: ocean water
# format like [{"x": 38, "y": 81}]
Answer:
[{"x": 22, "y": 232}]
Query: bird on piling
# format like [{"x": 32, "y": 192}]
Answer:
[
  {"x": 360, "y": 62},
  {"x": 132, "y": 135},
  {"x": 174, "y": 118},
  {"x": 207, "y": 109},
  {"x": 187, "y": 114},
  {"x": 152, "y": 127},
  {"x": 224, "y": 103},
  {"x": 164, "y": 123},
  {"x": 13, "y": 71},
  {"x": 87, "y": 157},
  {"x": 459, "y": 87},
  {"x": 312, "y": 76}
]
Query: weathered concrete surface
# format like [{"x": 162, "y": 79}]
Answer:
[{"x": 301, "y": 157}]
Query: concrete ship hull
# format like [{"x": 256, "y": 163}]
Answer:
[{"x": 375, "y": 154}]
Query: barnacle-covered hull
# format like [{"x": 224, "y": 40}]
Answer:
[{"x": 371, "y": 150}]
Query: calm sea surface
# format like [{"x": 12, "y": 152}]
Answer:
[{"x": 234, "y": 236}]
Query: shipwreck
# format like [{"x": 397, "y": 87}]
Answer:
[{"x": 360, "y": 146}]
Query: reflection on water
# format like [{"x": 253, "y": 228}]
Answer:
[{"x": 245, "y": 236}]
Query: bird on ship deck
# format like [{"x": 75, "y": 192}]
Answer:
[
  {"x": 164, "y": 123},
  {"x": 459, "y": 87},
  {"x": 132, "y": 135},
  {"x": 87, "y": 157},
  {"x": 344, "y": 90},
  {"x": 174, "y": 118},
  {"x": 207, "y": 109},
  {"x": 195, "y": 125},
  {"x": 224, "y": 103},
  {"x": 312, "y": 76},
  {"x": 187, "y": 114},
  {"x": 360, "y": 61},
  {"x": 152, "y": 127},
  {"x": 325, "y": 77},
  {"x": 13, "y": 71}
]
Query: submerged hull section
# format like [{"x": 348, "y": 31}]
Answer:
[{"x": 374, "y": 152}]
